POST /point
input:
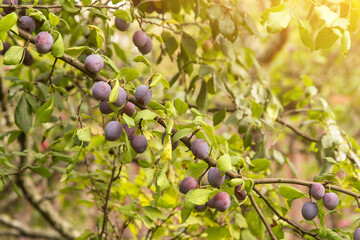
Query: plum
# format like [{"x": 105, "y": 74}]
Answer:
[
  {"x": 147, "y": 47},
  {"x": 129, "y": 109},
  {"x": 207, "y": 46},
  {"x": 214, "y": 177},
  {"x": 44, "y": 42},
  {"x": 174, "y": 145},
  {"x": 357, "y": 234},
  {"x": 200, "y": 148},
  {"x": 200, "y": 208},
  {"x": 113, "y": 131},
  {"x": 140, "y": 38},
  {"x": 27, "y": 24},
  {"x": 330, "y": 201},
  {"x": 130, "y": 132},
  {"x": 143, "y": 95},
  {"x": 28, "y": 59},
  {"x": 94, "y": 63},
  {"x": 317, "y": 191},
  {"x": 187, "y": 184},
  {"x": 10, "y": 2},
  {"x": 121, "y": 99},
  {"x": 101, "y": 91},
  {"x": 139, "y": 143},
  {"x": 211, "y": 202},
  {"x": 309, "y": 210},
  {"x": 6, "y": 46},
  {"x": 222, "y": 201},
  {"x": 240, "y": 194},
  {"x": 104, "y": 107},
  {"x": 121, "y": 24}
]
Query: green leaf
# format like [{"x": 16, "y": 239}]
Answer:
[
  {"x": 256, "y": 109},
  {"x": 76, "y": 51},
  {"x": 345, "y": 42},
  {"x": 129, "y": 120},
  {"x": 188, "y": 43},
  {"x": 196, "y": 169},
  {"x": 156, "y": 79},
  {"x": 200, "y": 196},
  {"x": 69, "y": 6},
  {"x": 16, "y": 189},
  {"x": 124, "y": 14},
  {"x": 205, "y": 70},
  {"x": 57, "y": 49},
  {"x": 23, "y": 118},
  {"x": 54, "y": 20},
  {"x": 305, "y": 36},
  {"x": 84, "y": 134},
  {"x": 325, "y": 14},
  {"x": 227, "y": 25},
  {"x": 181, "y": 106},
  {"x": 13, "y": 136},
  {"x": 100, "y": 37},
  {"x": 43, "y": 113},
  {"x": 210, "y": 132},
  {"x": 224, "y": 163},
  {"x": 150, "y": 173},
  {"x": 6, "y": 23},
  {"x": 277, "y": 21},
  {"x": 219, "y": 116},
  {"x": 110, "y": 63},
  {"x": 326, "y": 38},
  {"x": 145, "y": 115},
  {"x": 290, "y": 193},
  {"x": 182, "y": 133},
  {"x": 114, "y": 92},
  {"x": 13, "y": 55},
  {"x": 259, "y": 165},
  {"x": 142, "y": 59},
  {"x": 41, "y": 170},
  {"x": 131, "y": 74},
  {"x": 162, "y": 182},
  {"x": 201, "y": 100}
]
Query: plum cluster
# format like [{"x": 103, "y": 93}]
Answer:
[{"x": 330, "y": 200}]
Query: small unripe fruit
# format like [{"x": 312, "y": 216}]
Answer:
[
  {"x": 174, "y": 145},
  {"x": 357, "y": 234},
  {"x": 214, "y": 177},
  {"x": 104, "y": 107},
  {"x": 143, "y": 95},
  {"x": 139, "y": 143},
  {"x": 147, "y": 47},
  {"x": 101, "y": 91},
  {"x": 94, "y": 63},
  {"x": 28, "y": 59},
  {"x": 6, "y": 46},
  {"x": 121, "y": 99},
  {"x": 200, "y": 208},
  {"x": 130, "y": 132},
  {"x": 309, "y": 210},
  {"x": 222, "y": 201},
  {"x": 44, "y": 42},
  {"x": 207, "y": 46},
  {"x": 113, "y": 131},
  {"x": 27, "y": 24},
  {"x": 200, "y": 148},
  {"x": 317, "y": 191},
  {"x": 139, "y": 38},
  {"x": 129, "y": 109},
  {"x": 240, "y": 194},
  {"x": 330, "y": 200},
  {"x": 187, "y": 184},
  {"x": 10, "y": 2},
  {"x": 121, "y": 24}
]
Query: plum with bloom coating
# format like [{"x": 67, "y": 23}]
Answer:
[
  {"x": 139, "y": 38},
  {"x": 357, "y": 234},
  {"x": 130, "y": 132},
  {"x": 200, "y": 208},
  {"x": 104, "y": 107},
  {"x": 174, "y": 145},
  {"x": 129, "y": 109},
  {"x": 330, "y": 200},
  {"x": 6, "y": 46},
  {"x": 317, "y": 191},
  {"x": 147, "y": 47},
  {"x": 139, "y": 143},
  {"x": 187, "y": 184},
  {"x": 222, "y": 201},
  {"x": 143, "y": 95},
  {"x": 44, "y": 42},
  {"x": 27, "y": 24},
  {"x": 200, "y": 148},
  {"x": 214, "y": 177},
  {"x": 309, "y": 210},
  {"x": 94, "y": 63},
  {"x": 101, "y": 91},
  {"x": 121, "y": 98},
  {"x": 240, "y": 194},
  {"x": 121, "y": 24},
  {"x": 113, "y": 131},
  {"x": 10, "y": 2}
]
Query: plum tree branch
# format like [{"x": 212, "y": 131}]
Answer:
[
  {"x": 261, "y": 215},
  {"x": 60, "y": 6},
  {"x": 301, "y": 230}
]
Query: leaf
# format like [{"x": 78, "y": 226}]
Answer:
[
  {"x": 156, "y": 79},
  {"x": 326, "y": 38},
  {"x": 124, "y": 14},
  {"x": 43, "y": 113},
  {"x": 205, "y": 70},
  {"x": 54, "y": 20},
  {"x": 201, "y": 100},
  {"x": 305, "y": 36},
  {"x": 161, "y": 182},
  {"x": 23, "y": 118},
  {"x": 181, "y": 106},
  {"x": 13, "y": 55},
  {"x": 188, "y": 43},
  {"x": 84, "y": 134},
  {"x": 219, "y": 116},
  {"x": 110, "y": 63},
  {"x": 182, "y": 133},
  {"x": 100, "y": 37},
  {"x": 345, "y": 42},
  {"x": 41, "y": 170},
  {"x": 131, "y": 74},
  {"x": 256, "y": 109},
  {"x": 290, "y": 193},
  {"x": 142, "y": 59},
  {"x": 325, "y": 14},
  {"x": 277, "y": 21},
  {"x": 224, "y": 163},
  {"x": 76, "y": 51},
  {"x": 227, "y": 25},
  {"x": 69, "y": 6},
  {"x": 210, "y": 132},
  {"x": 57, "y": 49},
  {"x": 259, "y": 165},
  {"x": 13, "y": 136},
  {"x": 114, "y": 92},
  {"x": 145, "y": 115},
  {"x": 16, "y": 189},
  {"x": 196, "y": 169},
  {"x": 200, "y": 196},
  {"x": 6, "y": 23},
  {"x": 227, "y": 48}
]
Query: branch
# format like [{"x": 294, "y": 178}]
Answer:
[
  {"x": 24, "y": 230},
  {"x": 59, "y": 6},
  {"x": 261, "y": 215},
  {"x": 297, "y": 131},
  {"x": 302, "y": 231}
]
